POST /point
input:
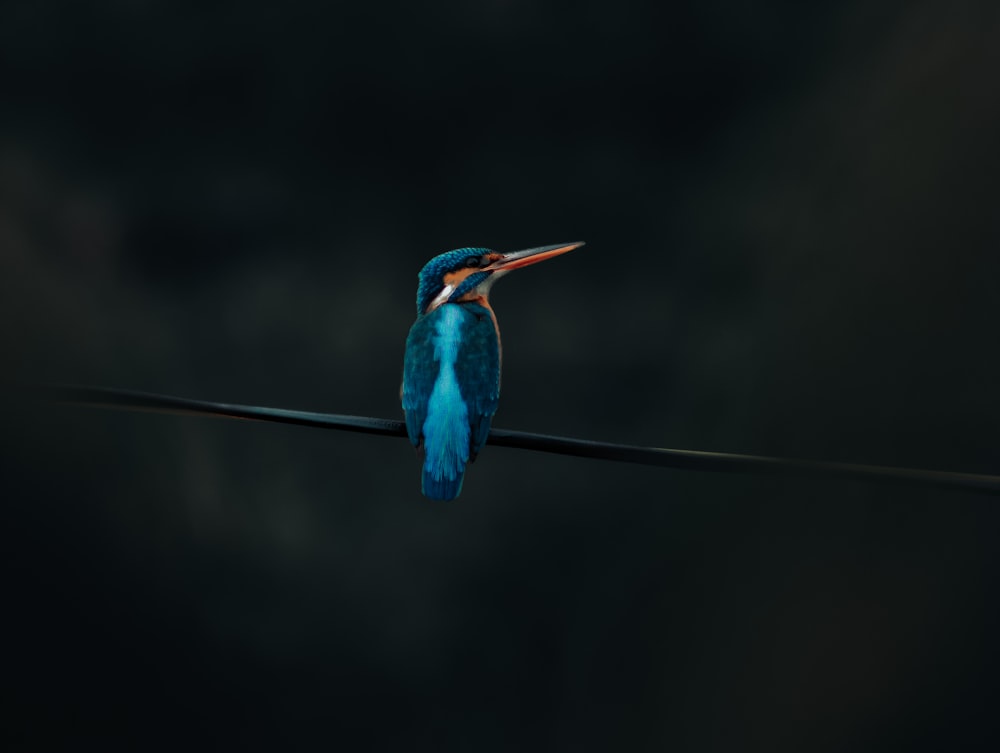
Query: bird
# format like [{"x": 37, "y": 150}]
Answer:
[{"x": 451, "y": 366}]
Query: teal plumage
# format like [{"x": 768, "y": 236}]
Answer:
[
  {"x": 451, "y": 388},
  {"x": 451, "y": 369}
]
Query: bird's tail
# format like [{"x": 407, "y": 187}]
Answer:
[
  {"x": 436, "y": 485},
  {"x": 446, "y": 439}
]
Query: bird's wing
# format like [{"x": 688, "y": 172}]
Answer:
[
  {"x": 420, "y": 370},
  {"x": 478, "y": 372}
]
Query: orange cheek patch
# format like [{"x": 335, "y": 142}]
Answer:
[{"x": 455, "y": 278}]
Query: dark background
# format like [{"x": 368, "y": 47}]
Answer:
[{"x": 792, "y": 227}]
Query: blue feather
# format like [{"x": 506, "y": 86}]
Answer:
[
  {"x": 451, "y": 386},
  {"x": 446, "y": 428}
]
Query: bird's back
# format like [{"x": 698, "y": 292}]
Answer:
[{"x": 451, "y": 386}]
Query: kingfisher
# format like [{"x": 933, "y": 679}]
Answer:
[{"x": 451, "y": 370}]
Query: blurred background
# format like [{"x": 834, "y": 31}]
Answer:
[{"x": 791, "y": 220}]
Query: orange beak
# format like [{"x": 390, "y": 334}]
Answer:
[{"x": 518, "y": 259}]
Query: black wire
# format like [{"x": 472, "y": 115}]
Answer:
[
  {"x": 682, "y": 459},
  {"x": 109, "y": 397}
]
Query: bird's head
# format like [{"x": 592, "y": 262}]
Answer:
[{"x": 467, "y": 273}]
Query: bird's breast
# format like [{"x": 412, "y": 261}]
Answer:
[{"x": 479, "y": 305}]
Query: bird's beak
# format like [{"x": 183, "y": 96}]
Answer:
[
  {"x": 505, "y": 264},
  {"x": 518, "y": 259}
]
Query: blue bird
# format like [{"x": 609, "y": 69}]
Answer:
[{"x": 451, "y": 371}]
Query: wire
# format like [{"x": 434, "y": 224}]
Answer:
[{"x": 105, "y": 397}]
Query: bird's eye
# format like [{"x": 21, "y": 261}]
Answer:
[{"x": 473, "y": 261}]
